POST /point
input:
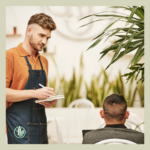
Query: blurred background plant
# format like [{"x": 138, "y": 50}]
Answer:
[
  {"x": 70, "y": 89},
  {"x": 140, "y": 91},
  {"x": 100, "y": 87},
  {"x": 118, "y": 86},
  {"x": 129, "y": 37}
]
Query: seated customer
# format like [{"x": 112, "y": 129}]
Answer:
[{"x": 115, "y": 114}]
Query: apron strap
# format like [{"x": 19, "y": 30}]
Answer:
[
  {"x": 40, "y": 62},
  {"x": 28, "y": 63}
]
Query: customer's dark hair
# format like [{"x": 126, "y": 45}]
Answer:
[
  {"x": 43, "y": 20},
  {"x": 114, "y": 107}
]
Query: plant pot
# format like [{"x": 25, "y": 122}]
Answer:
[{"x": 15, "y": 30}]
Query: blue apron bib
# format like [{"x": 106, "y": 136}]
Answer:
[{"x": 26, "y": 120}]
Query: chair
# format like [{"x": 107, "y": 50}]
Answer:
[
  {"x": 81, "y": 103},
  {"x": 6, "y": 139},
  {"x": 74, "y": 108},
  {"x": 72, "y": 112},
  {"x": 132, "y": 122},
  {"x": 48, "y": 122},
  {"x": 115, "y": 141},
  {"x": 59, "y": 134}
]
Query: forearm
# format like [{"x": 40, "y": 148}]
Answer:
[{"x": 18, "y": 95}]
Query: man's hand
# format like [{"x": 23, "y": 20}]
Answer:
[
  {"x": 48, "y": 104},
  {"x": 21, "y": 95},
  {"x": 44, "y": 93}
]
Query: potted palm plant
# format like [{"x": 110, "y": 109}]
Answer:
[{"x": 130, "y": 37}]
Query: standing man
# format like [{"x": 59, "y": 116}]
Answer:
[{"x": 25, "y": 69}]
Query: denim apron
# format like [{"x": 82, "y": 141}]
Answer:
[{"x": 26, "y": 120}]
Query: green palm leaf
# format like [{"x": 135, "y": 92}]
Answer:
[{"x": 131, "y": 37}]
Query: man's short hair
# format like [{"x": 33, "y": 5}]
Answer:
[
  {"x": 114, "y": 107},
  {"x": 43, "y": 20}
]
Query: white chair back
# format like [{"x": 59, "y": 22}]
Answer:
[
  {"x": 59, "y": 133},
  {"x": 73, "y": 124},
  {"x": 81, "y": 103},
  {"x": 133, "y": 121},
  {"x": 72, "y": 112},
  {"x": 115, "y": 141},
  {"x": 6, "y": 139}
]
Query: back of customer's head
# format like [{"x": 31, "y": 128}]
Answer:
[{"x": 115, "y": 109}]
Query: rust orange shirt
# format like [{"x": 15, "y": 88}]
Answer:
[{"x": 17, "y": 70}]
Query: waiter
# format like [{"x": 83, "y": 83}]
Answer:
[{"x": 25, "y": 68}]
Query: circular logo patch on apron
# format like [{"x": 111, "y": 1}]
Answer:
[{"x": 19, "y": 132}]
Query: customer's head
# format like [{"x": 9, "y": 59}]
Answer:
[
  {"x": 114, "y": 109},
  {"x": 39, "y": 30}
]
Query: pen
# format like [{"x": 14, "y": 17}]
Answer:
[{"x": 41, "y": 85}]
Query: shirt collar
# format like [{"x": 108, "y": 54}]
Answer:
[
  {"x": 116, "y": 126},
  {"x": 23, "y": 52}
]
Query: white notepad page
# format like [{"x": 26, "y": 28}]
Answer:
[{"x": 51, "y": 98}]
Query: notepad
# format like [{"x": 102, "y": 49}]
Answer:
[{"x": 51, "y": 98}]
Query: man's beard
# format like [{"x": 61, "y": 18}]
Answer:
[{"x": 33, "y": 44}]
